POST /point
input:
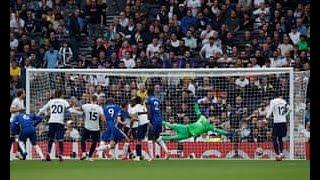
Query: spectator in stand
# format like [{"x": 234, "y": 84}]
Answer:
[
  {"x": 93, "y": 14},
  {"x": 16, "y": 23},
  {"x": 13, "y": 42},
  {"x": 72, "y": 135},
  {"x": 65, "y": 53},
  {"x": 187, "y": 21},
  {"x": 294, "y": 35},
  {"x": 126, "y": 47},
  {"x": 51, "y": 58},
  {"x": 233, "y": 23},
  {"x": 206, "y": 34},
  {"x": 209, "y": 49},
  {"x": 128, "y": 61},
  {"x": 153, "y": 47},
  {"x": 276, "y": 60},
  {"x": 190, "y": 41},
  {"x": 15, "y": 70},
  {"x": 302, "y": 44},
  {"x": 285, "y": 46}
]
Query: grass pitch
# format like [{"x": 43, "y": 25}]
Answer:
[{"x": 160, "y": 170}]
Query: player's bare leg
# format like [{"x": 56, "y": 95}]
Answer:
[
  {"x": 126, "y": 151},
  {"x": 39, "y": 152},
  {"x": 163, "y": 145},
  {"x": 150, "y": 149}
]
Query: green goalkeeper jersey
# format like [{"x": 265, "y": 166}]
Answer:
[{"x": 201, "y": 126}]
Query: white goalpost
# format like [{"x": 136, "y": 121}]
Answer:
[{"x": 235, "y": 99}]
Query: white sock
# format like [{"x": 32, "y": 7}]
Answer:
[
  {"x": 100, "y": 154},
  {"x": 113, "y": 153},
  {"x": 22, "y": 146},
  {"x": 75, "y": 148},
  {"x": 150, "y": 148},
  {"x": 53, "y": 150},
  {"x": 103, "y": 146},
  {"x": 157, "y": 149},
  {"x": 125, "y": 149},
  {"x": 38, "y": 150},
  {"x": 84, "y": 153},
  {"x": 163, "y": 145}
]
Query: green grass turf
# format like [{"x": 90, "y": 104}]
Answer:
[{"x": 160, "y": 170}]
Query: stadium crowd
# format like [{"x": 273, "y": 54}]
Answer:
[{"x": 167, "y": 34}]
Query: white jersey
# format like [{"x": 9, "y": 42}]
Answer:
[
  {"x": 57, "y": 108},
  {"x": 135, "y": 123},
  {"x": 92, "y": 113},
  {"x": 142, "y": 114},
  {"x": 16, "y": 103},
  {"x": 278, "y": 107}
]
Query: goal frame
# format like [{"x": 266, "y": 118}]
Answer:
[{"x": 184, "y": 72}]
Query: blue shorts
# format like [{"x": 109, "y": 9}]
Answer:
[
  {"x": 56, "y": 131},
  {"x": 142, "y": 132},
  {"x": 112, "y": 134},
  {"x": 154, "y": 131},
  {"x": 28, "y": 133}
]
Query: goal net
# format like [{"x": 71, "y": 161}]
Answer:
[{"x": 234, "y": 99}]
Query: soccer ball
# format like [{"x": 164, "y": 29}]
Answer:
[
  {"x": 278, "y": 158},
  {"x": 259, "y": 152}
]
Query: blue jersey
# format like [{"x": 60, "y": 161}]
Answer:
[
  {"x": 25, "y": 122},
  {"x": 124, "y": 115},
  {"x": 111, "y": 112},
  {"x": 154, "y": 105}
]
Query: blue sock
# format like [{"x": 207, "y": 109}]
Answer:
[{"x": 138, "y": 150}]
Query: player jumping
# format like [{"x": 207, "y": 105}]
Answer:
[{"x": 202, "y": 125}]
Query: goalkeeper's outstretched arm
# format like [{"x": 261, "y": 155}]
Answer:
[{"x": 197, "y": 110}]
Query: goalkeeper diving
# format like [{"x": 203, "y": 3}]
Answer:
[{"x": 185, "y": 131}]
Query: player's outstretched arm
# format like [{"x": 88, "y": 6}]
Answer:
[
  {"x": 220, "y": 131},
  {"x": 43, "y": 109},
  {"x": 197, "y": 110},
  {"x": 36, "y": 120},
  {"x": 167, "y": 124},
  {"x": 74, "y": 111}
]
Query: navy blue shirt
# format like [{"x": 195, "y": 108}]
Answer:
[
  {"x": 25, "y": 122},
  {"x": 154, "y": 105}
]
